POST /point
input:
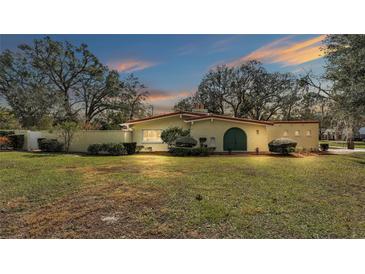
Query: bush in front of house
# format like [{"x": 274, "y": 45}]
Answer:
[
  {"x": 185, "y": 141},
  {"x": 114, "y": 149},
  {"x": 39, "y": 141},
  {"x": 4, "y": 133},
  {"x": 191, "y": 151},
  {"x": 49, "y": 145},
  {"x": 169, "y": 135},
  {"x": 139, "y": 148},
  {"x": 94, "y": 149},
  {"x": 324, "y": 147},
  {"x": 186, "y": 146},
  {"x": 282, "y": 146},
  {"x": 130, "y": 147},
  {"x": 203, "y": 142},
  {"x": 16, "y": 141}
]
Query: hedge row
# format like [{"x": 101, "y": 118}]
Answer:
[
  {"x": 11, "y": 140},
  {"x": 4, "y": 133},
  {"x": 16, "y": 141},
  {"x": 112, "y": 148},
  {"x": 191, "y": 151},
  {"x": 49, "y": 145}
]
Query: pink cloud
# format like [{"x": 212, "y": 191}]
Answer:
[
  {"x": 159, "y": 95},
  {"x": 286, "y": 52},
  {"x": 131, "y": 65}
]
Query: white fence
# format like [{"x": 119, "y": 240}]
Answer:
[{"x": 81, "y": 140}]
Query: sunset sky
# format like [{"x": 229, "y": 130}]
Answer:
[{"x": 171, "y": 66}]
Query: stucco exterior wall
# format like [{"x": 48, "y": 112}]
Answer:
[
  {"x": 164, "y": 123},
  {"x": 206, "y": 128},
  {"x": 304, "y": 141},
  {"x": 217, "y": 128}
]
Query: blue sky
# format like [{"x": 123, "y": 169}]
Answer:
[{"x": 171, "y": 66}]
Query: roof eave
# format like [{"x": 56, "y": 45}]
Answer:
[
  {"x": 231, "y": 120},
  {"x": 162, "y": 116}
]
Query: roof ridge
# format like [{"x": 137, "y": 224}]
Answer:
[
  {"x": 231, "y": 118},
  {"x": 197, "y": 114}
]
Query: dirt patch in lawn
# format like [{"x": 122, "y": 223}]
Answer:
[
  {"x": 147, "y": 171},
  {"x": 112, "y": 210}
]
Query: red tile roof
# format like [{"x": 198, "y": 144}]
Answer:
[{"x": 197, "y": 114}]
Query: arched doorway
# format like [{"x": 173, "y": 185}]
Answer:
[{"x": 235, "y": 139}]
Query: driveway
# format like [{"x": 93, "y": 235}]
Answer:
[{"x": 345, "y": 150}]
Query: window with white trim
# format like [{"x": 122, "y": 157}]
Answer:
[
  {"x": 151, "y": 135},
  {"x": 297, "y": 133},
  {"x": 309, "y": 133}
]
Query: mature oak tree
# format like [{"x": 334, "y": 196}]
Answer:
[
  {"x": 97, "y": 92},
  {"x": 343, "y": 83},
  {"x": 244, "y": 91},
  {"x": 64, "y": 67},
  {"x": 24, "y": 89},
  {"x": 132, "y": 97},
  {"x": 345, "y": 68}
]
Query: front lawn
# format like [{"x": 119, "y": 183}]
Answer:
[{"x": 151, "y": 196}]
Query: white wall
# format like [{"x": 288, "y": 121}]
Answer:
[{"x": 81, "y": 140}]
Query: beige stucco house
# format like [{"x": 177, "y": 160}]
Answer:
[{"x": 223, "y": 132}]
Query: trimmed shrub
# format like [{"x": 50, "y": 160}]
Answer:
[
  {"x": 186, "y": 141},
  {"x": 94, "y": 149},
  {"x": 130, "y": 147},
  {"x": 39, "y": 140},
  {"x": 180, "y": 151},
  {"x": 203, "y": 142},
  {"x": 139, "y": 148},
  {"x": 282, "y": 146},
  {"x": 200, "y": 151},
  {"x": 115, "y": 149},
  {"x": 49, "y": 145},
  {"x": 188, "y": 151},
  {"x": 170, "y": 134},
  {"x": 324, "y": 147},
  {"x": 108, "y": 148},
  {"x": 17, "y": 141}
]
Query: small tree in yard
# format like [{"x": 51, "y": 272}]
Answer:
[
  {"x": 67, "y": 131},
  {"x": 170, "y": 135}
]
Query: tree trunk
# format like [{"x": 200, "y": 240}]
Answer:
[{"x": 349, "y": 137}]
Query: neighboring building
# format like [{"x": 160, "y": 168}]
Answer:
[
  {"x": 329, "y": 134},
  {"x": 341, "y": 135},
  {"x": 223, "y": 132},
  {"x": 362, "y": 133}
]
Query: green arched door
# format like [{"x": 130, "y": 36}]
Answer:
[{"x": 235, "y": 139}]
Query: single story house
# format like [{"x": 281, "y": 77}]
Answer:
[{"x": 223, "y": 132}]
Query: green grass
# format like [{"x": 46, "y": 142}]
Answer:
[
  {"x": 342, "y": 144},
  {"x": 151, "y": 196}
]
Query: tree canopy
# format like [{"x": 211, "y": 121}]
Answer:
[
  {"x": 248, "y": 90},
  {"x": 62, "y": 82}
]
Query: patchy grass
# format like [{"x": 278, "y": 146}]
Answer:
[{"x": 151, "y": 196}]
